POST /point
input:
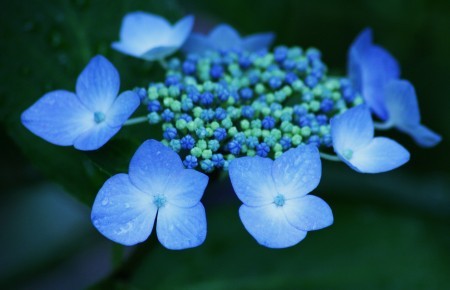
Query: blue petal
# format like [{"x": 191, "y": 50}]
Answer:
[
  {"x": 158, "y": 52},
  {"x": 98, "y": 85},
  {"x": 370, "y": 67},
  {"x": 181, "y": 31},
  {"x": 359, "y": 47},
  {"x": 153, "y": 166},
  {"x": 252, "y": 180},
  {"x": 308, "y": 213},
  {"x": 352, "y": 130},
  {"x": 142, "y": 31},
  {"x": 269, "y": 226},
  {"x": 380, "y": 155},
  {"x": 181, "y": 228},
  {"x": 122, "y": 108},
  {"x": 186, "y": 189},
  {"x": 123, "y": 213},
  {"x": 378, "y": 68},
  {"x": 297, "y": 171},
  {"x": 58, "y": 117},
  {"x": 95, "y": 137},
  {"x": 256, "y": 42},
  {"x": 401, "y": 102},
  {"x": 423, "y": 136},
  {"x": 225, "y": 37},
  {"x": 197, "y": 43}
]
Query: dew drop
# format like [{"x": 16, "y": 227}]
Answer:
[{"x": 105, "y": 201}]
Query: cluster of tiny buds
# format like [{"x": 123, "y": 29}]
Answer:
[{"x": 226, "y": 104}]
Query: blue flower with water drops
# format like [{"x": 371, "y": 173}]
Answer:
[
  {"x": 353, "y": 141},
  {"x": 277, "y": 210},
  {"x": 224, "y": 37},
  {"x": 370, "y": 68},
  {"x": 159, "y": 188},
  {"x": 88, "y": 118},
  {"x": 150, "y": 36},
  {"x": 403, "y": 113}
]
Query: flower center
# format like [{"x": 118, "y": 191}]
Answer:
[
  {"x": 99, "y": 117},
  {"x": 279, "y": 200},
  {"x": 348, "y": 154},
  {"x": 159, "y": 200}
]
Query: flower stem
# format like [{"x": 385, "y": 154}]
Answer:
[
  {"x": 136, "y": 120},
  {"x": 330, "y": 157},
  {"x": 382, "y": 126}
]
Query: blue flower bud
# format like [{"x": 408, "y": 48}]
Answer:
[
  {"x": 246, "y": 93},
  {"x": 262, "y": 149},
  {"x": 189, "y": 67},
  {"x": 326, "y": 105},
  {"x": 234, "y": 147},
  {"x": 248, "y": 112},
  {"x": 187, "y": 142},
  {"x": 285, "y": 143},
  {"x": 216, "y": 71},
  {"x": 190, "y": 162},
  {"x": 170, "y": 133},
  {"x": 207, "y": 165},
  {"x": 275, "y": 82},
  {"x": 206, "y": 98},
  {"x": 220, "y": 134},
  {"x": 268, "y": 122},
  {"x": 167, "y": 115},
  {"x": 154, "y": 106},
  {"x": 218, "y": 160},
  {"x": 220, "y": 113}
]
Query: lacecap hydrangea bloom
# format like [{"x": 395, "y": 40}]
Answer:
[
  {"x": 88, "y": 118},
  {"x": 267, "y": 117}
]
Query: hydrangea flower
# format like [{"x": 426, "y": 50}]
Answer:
[
  {"x": 353, "y": 141},
  {"x": 404, "y": 114},
  {"x": 375, "y": 74},
  {"x": 225, "y": 37},
  {"x": 157, "y": 187},
  {"x": 150, "y": 36},
  {"x": 87, "y": 119},
  {"x": 277, "y": 210},
  {"x": 370, "y": 68}
]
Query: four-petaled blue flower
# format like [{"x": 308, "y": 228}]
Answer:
[
  {"x": 225, "y": 37},
  {"x": 87, "y": 119},
  {"x": 277, "y": 211},
  {"x": 156, "y": 187},
  {"x": 150, "y": 36},
  {"x": 353, "y": 141},
  {"x": 404, "y": 114}
]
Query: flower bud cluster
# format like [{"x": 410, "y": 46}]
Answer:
[{"x": 225, "y": 104}]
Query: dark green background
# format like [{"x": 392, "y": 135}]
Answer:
[{"x": 391, "y": 230}]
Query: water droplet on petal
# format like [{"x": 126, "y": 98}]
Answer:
[{"x": 105, "y": 201}]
